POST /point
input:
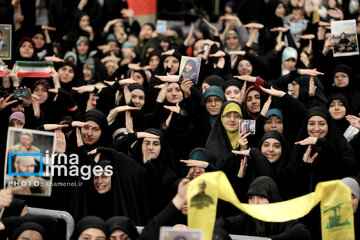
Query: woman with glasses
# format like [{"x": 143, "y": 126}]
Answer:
[{"x": 224, "y": 137}]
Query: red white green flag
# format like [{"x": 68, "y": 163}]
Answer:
[
  {"x": 34, "y": 68},
  {"x": 2, "y": 70}
]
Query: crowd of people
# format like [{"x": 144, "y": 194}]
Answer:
[{"x": 115, "y": 97}]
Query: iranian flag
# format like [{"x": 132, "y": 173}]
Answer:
[
  {"x": 2, "y": 70},
  {"x": 34, "y": 68}
]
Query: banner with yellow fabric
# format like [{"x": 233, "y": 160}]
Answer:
[{"x": 334, "y": 197}]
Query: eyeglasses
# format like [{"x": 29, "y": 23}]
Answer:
[
  {"x": 342, "y": 75},
  {"x": 230, "y": 115}
]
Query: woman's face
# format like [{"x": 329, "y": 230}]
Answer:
[
  {"x": 245, "y": 67},
  {"x": 317, "y": 127},
  {"x": 188, "y": 67},
  {"x": 337, "y": 109},
  {"x": 30, "y": 235},
  {"x": 172, "y": 63},
  {"x": 118, "y": 234},
  {"x": 138, "y": 98},
  {"x": 42, "y": 92},
  {"x": 197, "y": 171},
  {"x": 271, "y": 149},
  {"x": 355, "y": 203},
  {"x": 84, "y": 22},
  {"x": 343, "y": 35},
  {"x": 341, "y": 79},
  {"x": 91, "y": 134},
  {"x": 232, "y": 41},
  {"x": 332, "y": 3},
  {"x": 151, "y": 148},
  {"x": 204, "y": 86},
  {"x": 174, "y": 94},
  {"x": 82, "y": 48},
  {"x": 213, "y": 105},
  {"x": 233, "y": 93},
  {"x": 231, "y": 121},
  {"x": 280, "y": 11},
  {"x": 273, "y": 123},
  {"x": 154, "y": 62},
  {"x": 39, "y": 40},
  {"x": 92, "y": 234},
  {"x": 26, "y": 50},
  {"x": 138, "y": 78},
  {"x": 165, "y": 45},
  {"x": 66, "y": 74},
  {"x": 253, "y": 101},
  {"x": 289, "y": 64},
  {"x": 198, "y": 48},
  {"x": 102, "y": 183},
  {"x": 294, "y": 89},
  {"x": 258, "y": 199},
  {"x": 88, "y": 76}
]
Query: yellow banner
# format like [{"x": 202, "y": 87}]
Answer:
[{"x": 334, "y": 197}]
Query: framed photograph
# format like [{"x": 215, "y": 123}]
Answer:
[
  {"x": 161, "y": 26},
  {"x": 169, "y": 233},
  {"x": 345, "y": 38},
  {"x": 5, "y": 41},
  {"x": 247, "y": 126},
  {"x": 189, "y": 69},
  {"x": 28, "y": 161}
]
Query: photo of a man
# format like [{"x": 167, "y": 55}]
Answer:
[{"x": 5, "y": 42}]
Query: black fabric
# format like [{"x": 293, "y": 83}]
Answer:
[
  {"x": 214, "y": 80},
  {"x": 243, "y": 224},
  {"x": 127, "y": 196},
  {"x": 89, "y": 222},
  {"x": 30, "y": 226},
  {"x": 50, "y": 225},
  {"x": 335, "y": 159},
  {"x": 122, "y": 223},
  {"x": 219, "y": 145},
  {"x": 15, "y": 208},
  {"x": 342, "y": 124},
  {"x": 99, "y": 117},
  {"x": 232, "y": 82}
]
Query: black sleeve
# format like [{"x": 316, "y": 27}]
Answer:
[
  {"x": 151, "y": 230},
  {"x": 294, "y": 230}
]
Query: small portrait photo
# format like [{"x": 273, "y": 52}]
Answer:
[
  {"x": 161, "y": 26},
  {"x": 5, "y": 41},
  {"x": 28, "y": 161},
  {"x": 169, "y": 233},
  {"x": 189, "y": 69},
  {"x": 247, "y": 126},
  {"x": 345, "y": 38}
]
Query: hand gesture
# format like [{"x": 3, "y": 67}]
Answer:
[
  {"x": 175, "y": 109},
  {"x": 307, "y": 158},
  {"x": 240, "y": 53},
  {"x": 353, "y": 120},
  {"x": 243, "y": 166},
  {"x": 186, "y": 86},
  {"x": 146, "y": 135},
  {"x": 36, "y": 105},
  {"x": 312, "y": 87},
  {"x": 266, "y": 106},
  {"x": 168, "y": 78},
  {"x": 129, "y": 122},
  {"x": 79, "y": 139},
  {"x": 78, "y": 124},
  {"x": 247, "y": 78},
  {"x": 60, "y": 146},
  {"x": 85, "y": 88},
  {"x": 310, "y": 72},
  {"x": 5, "y": 102},
  {"x": 242, "y": 139},
  {"x": 6, "y": 197},
  {"x": 242, "y": 152},
  {"x": 195, "y": 163},
  {"x": 219, "y": 53},
  {"x": 51, "y": 127},
  {"x": 272, "y": 91},
  {"x": 307, "y": 141}
]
